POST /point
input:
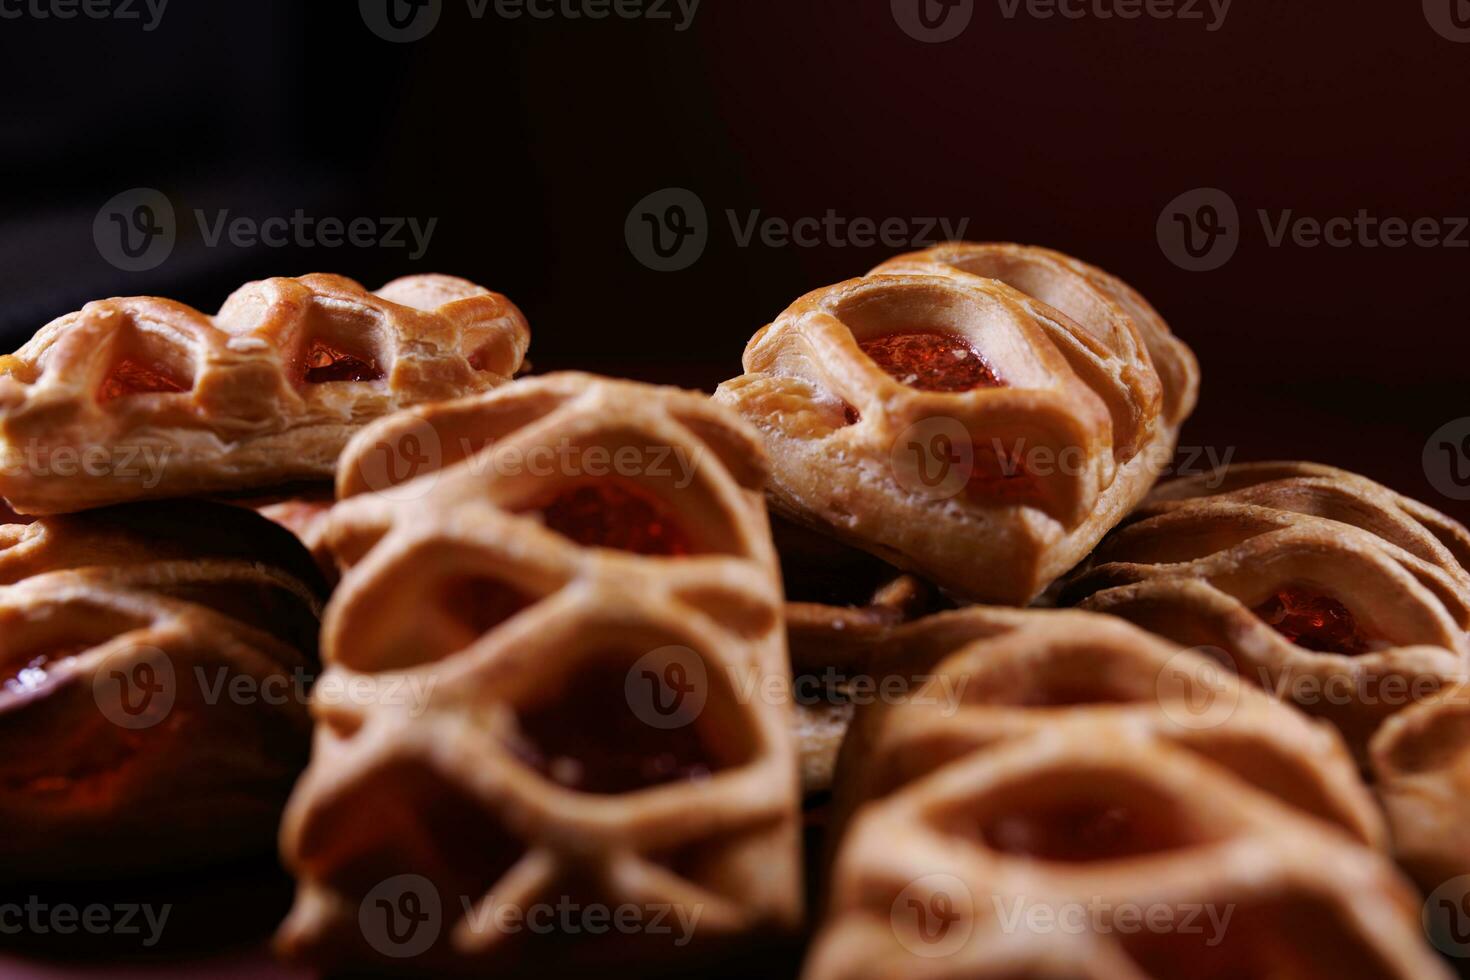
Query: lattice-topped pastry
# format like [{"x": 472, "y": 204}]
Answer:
[
  {"x": 978, "y": 414},
  {"x": 1321, "y": 586},
  {"x": 1066, "y": 856},
  {"x": 154, "y": 660},
  {"x": 1421, "y": 758},
  {"x": 1063, "y": 795},
  {"x": 978, "y": 676},
  {"x": 589, "y": 636},
  {"x": 144, "y": 397}
]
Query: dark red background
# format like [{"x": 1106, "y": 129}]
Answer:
[{"x": 530, "y": 141}]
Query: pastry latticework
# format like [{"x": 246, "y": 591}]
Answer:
[
  {"x": 154, "y": 661},
  {"x": 144, "y": 397},
  {"x": 980, "y": 415},
  {"x": 1323, "y": 587},
  {"x": 535, "y": 605},
  {"x": 1101, "y": 804}
]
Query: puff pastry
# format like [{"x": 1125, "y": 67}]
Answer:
[
  {"x": 123, "y": 633},
  {"x": 1421, "y": 758},
  {"x": 141, "y": 398},
  {"x": 978, "y": 414},
  {"x": 1323, "y": 587},
  {"x": 1083, "y": 776},
  {"x": 541, "y": 606}
]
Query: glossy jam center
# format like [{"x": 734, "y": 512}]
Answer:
[
  {"x": 617, "y": 515},
  {"x": 326, "y": 363},
  {"x": 931, "y": 361},
  {"x": 1314, "y": 621},
  {"x": 591, "y": 741},
  {"x": 130, "y": 376},
  {"x": 1081, "y": 832}
]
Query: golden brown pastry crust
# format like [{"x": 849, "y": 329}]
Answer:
[
  {"x": 122, "y": 634},
  {"x": 1421, "y": 759},
  {"x": 1082, "y": 770},
  {"x": 143, "y": 397},
  {"x": 364, "y": 812},
  {"x": 1204, "y": 553},
  {"x": 1026, "y": 477}
]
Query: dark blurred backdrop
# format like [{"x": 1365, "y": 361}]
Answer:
[{"x": 530, "y": 140}]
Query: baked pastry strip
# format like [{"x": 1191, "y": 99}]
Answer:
[
  {"x": 1323, "y": 587},
  {"x": 154, "y": 663},
  {"x": 142, "y": 397},
  {"x": 979, "y": 415},
  {"x": 1091, "y": 801},
  {"x": 541, "y": 609}
]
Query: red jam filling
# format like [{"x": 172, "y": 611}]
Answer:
[
  {"x": 1081, "y": 832},
  {"x": 1314, "y": 621},
  {"x": 590, "y": 740},
  {"x": 326, "y": 363},
  {"x": 932, "y": 361},
  {"x": 133, "y": 377},
  {"x": 617, "y": 515}
]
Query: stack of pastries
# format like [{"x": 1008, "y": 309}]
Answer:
[{"x": 979, "y": 697}]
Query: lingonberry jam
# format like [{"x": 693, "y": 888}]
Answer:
[
  {"x": 1314, "y": 621},
  {"x": 326, "y": 363},
  {"x": 931, "y": 361},
  {"x": 134, "y": 377},
  {"x": 612, "y": 514}
]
